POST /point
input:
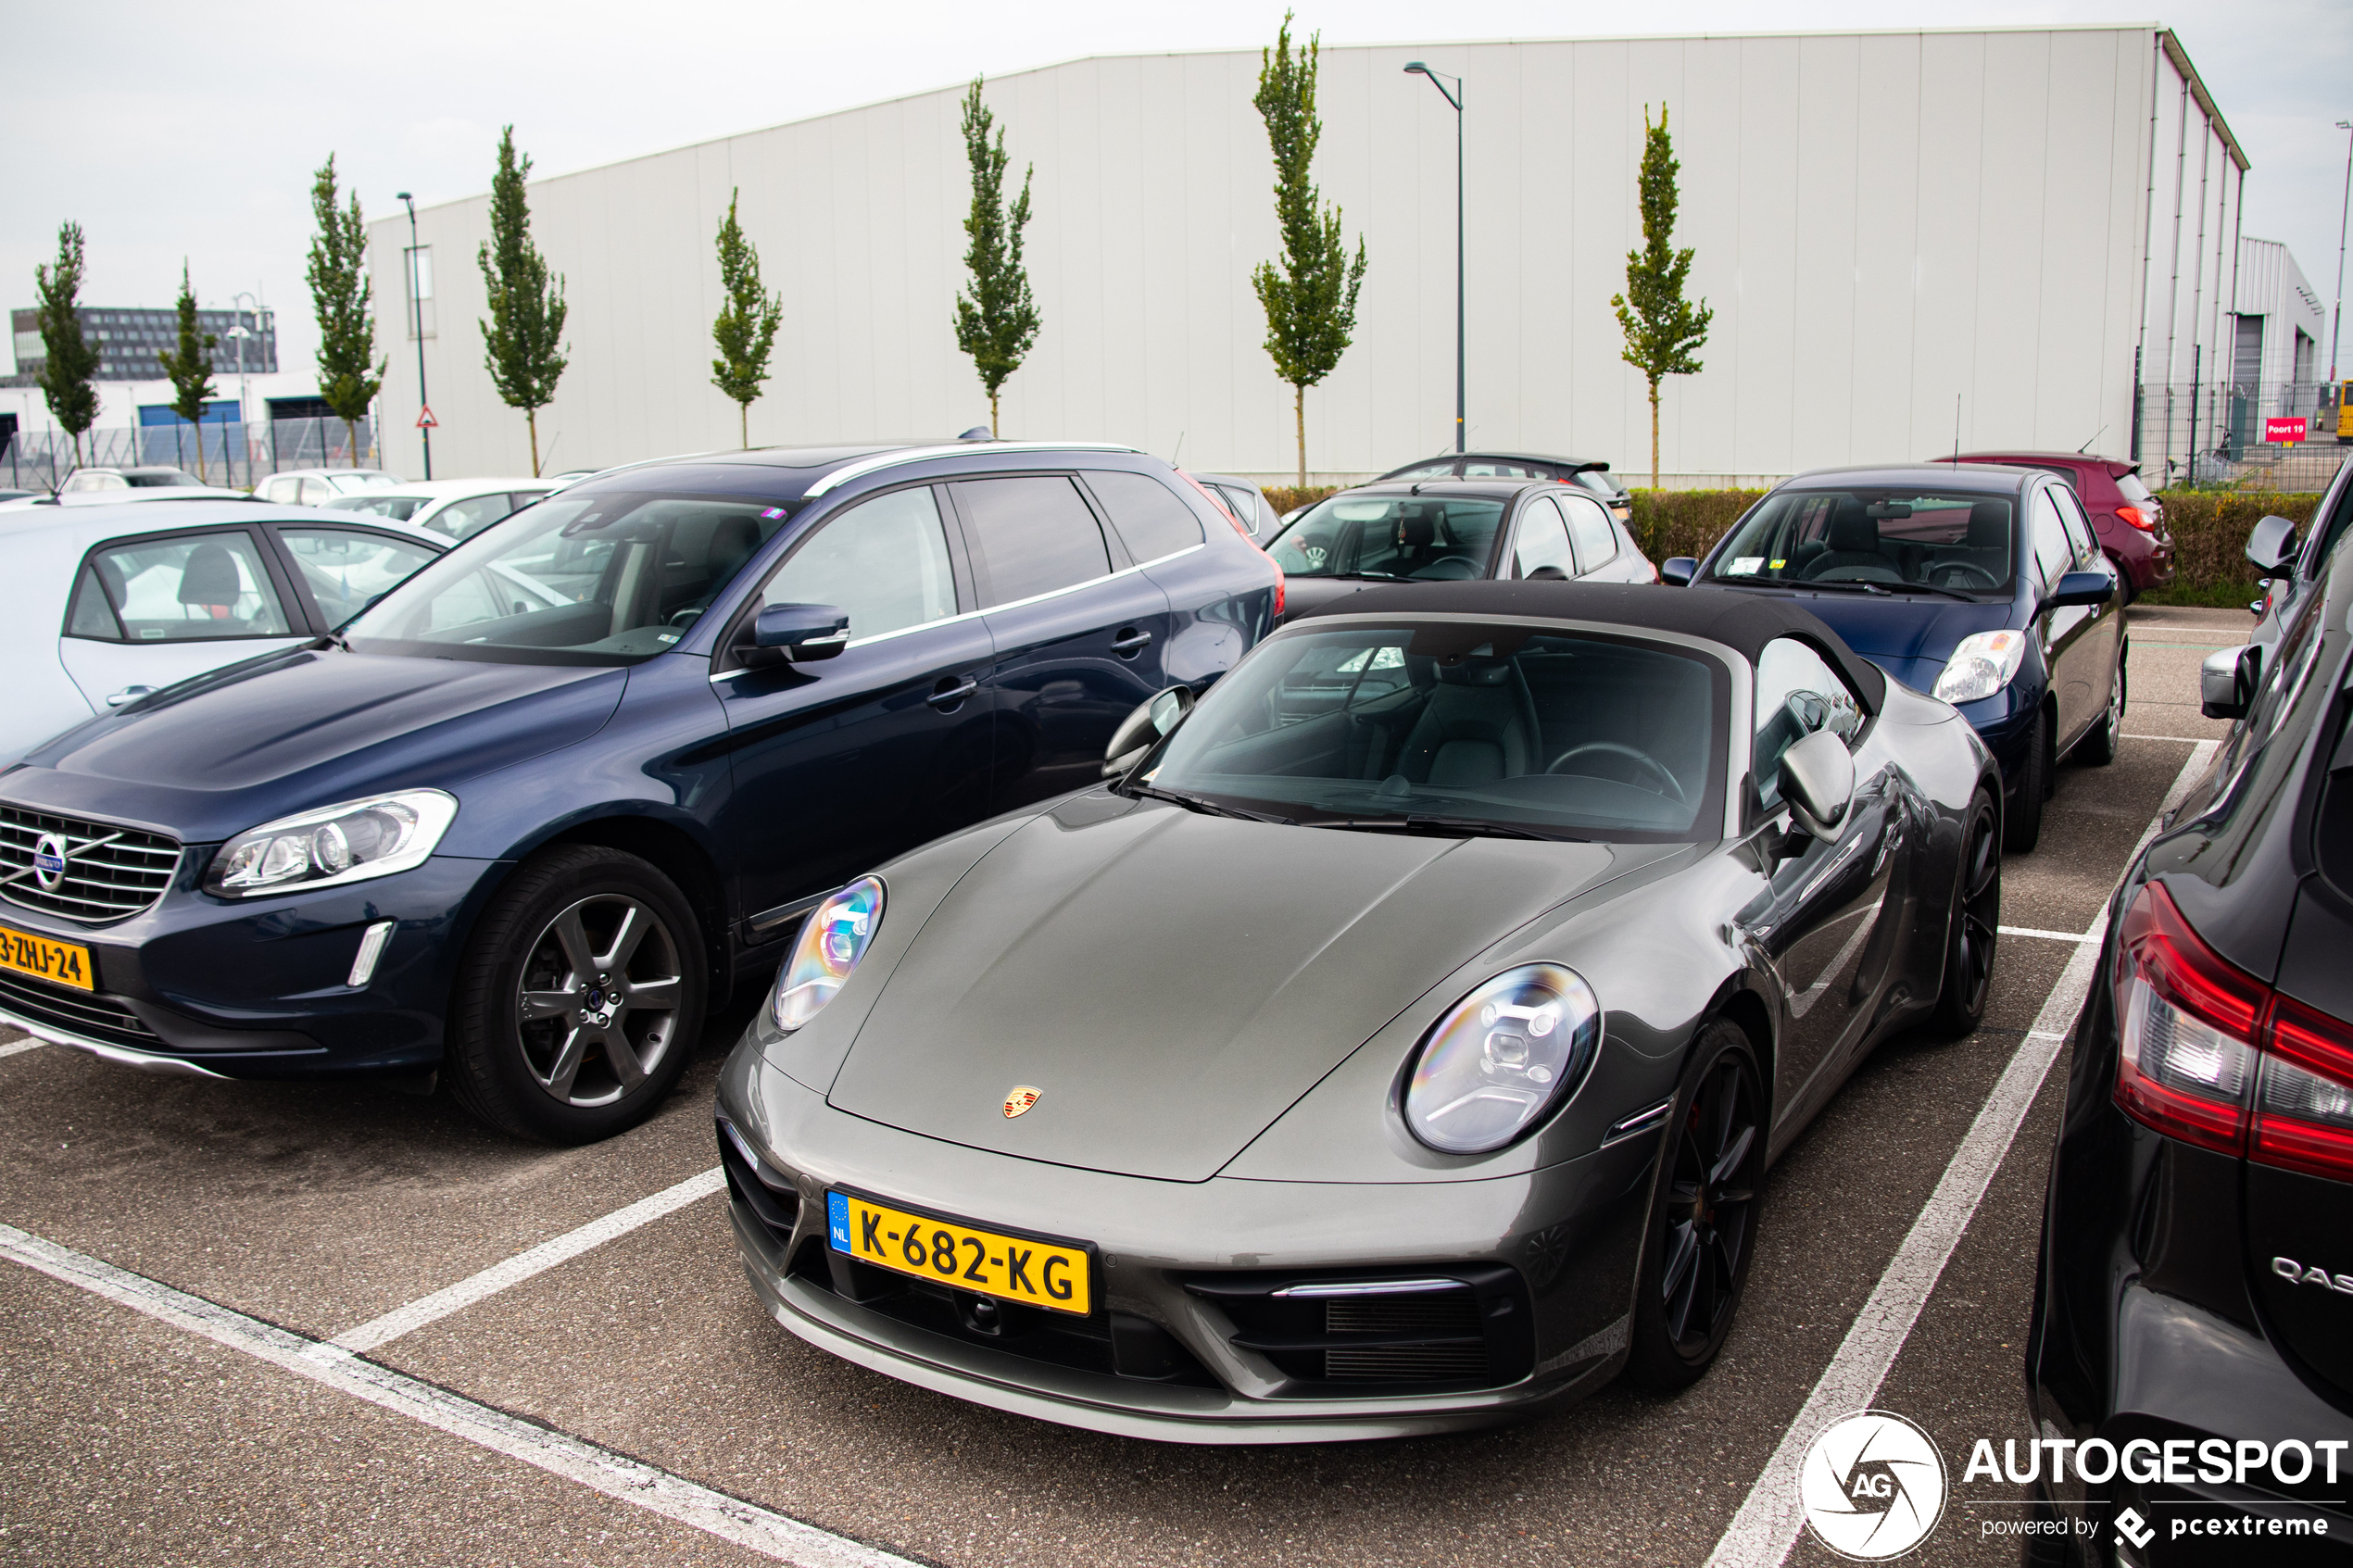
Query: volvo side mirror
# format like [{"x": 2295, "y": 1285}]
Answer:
[
  {"x": 798, "y": 632},
  {"x": 2271, "y": 544},
  {"x": 1153, "y": 721},
  {"x": 2082, "y": 588},
  {"x": 2226, "y": 682},
  {"x": 1677, "y": 571},
  {"x": 1817, "y": 780}
]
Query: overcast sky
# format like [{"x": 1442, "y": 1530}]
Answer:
[{"x": 172, "y": 131}]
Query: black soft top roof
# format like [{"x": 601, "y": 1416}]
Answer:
[{"x": 1742, "y": 622}]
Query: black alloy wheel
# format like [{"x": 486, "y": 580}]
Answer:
[
  {"x": 579, "y": 998},
  {"x": 2100, "y": 746},
  {"x": 1703, "y": 1216},
  {"x": 2023, "y": 827},
  {"x": 1976, "y": 924}
]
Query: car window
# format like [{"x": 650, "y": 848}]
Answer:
[
  {"x": 1542, "y": 541},
  {"x": 344, "y": 567},
  {"x": 608, "y": 578},
  {"x": 177, "y": 589},
  {"x": 1152, "y": 522},
  {"x": 1438, "y": 470},
  {"x": 2054, "y": 556},
  {"x": 281, "y": 492},
  {"x": 522, "y": 499},
  {"x": 2077, "y": 526},
  {"x": 1035, "y": 535},
  {"x": 1597, "y": 482},
  {"x": 1243, "y": 503},
  {"x": 1502, "y": 468},
  {"x": 316, "y": 492},
  {"x": 1426, "y": 538},
  {"x": 883, "y": 562},
  {"x": 463, "y": 519},
  {"x": 1797, "y": 693},
  {"x": 400, "y": 507},
  {"x": 2129, "y": 486},
  {"x": 1588, "y": 526}
]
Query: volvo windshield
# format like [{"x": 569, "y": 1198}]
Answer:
[
  {"x": 1460, "y": 728},
  {"x": 610, "y": 578}
]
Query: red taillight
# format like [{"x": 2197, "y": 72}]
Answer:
[
  {"x": 2137, "y": 518},
  {"x": 2212, "y": 1056}
]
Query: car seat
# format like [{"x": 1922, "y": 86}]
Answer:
[
  {"x": 1478, "y": 725},
  {"x": 210, "y": 582},
  {"x": 1852, "y": 538}
]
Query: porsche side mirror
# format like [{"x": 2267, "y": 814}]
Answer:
[
  {"x": 1817, "y": 780},
  {"x": 1677, "y": 571},
  {"x": 799, "y": 632},
  {"x": 2271, "y": 544},
  {"x": 2226, "y": 682},
  {"x": 1153, "y": 721},
  {"x": 2082, "y": 588}
]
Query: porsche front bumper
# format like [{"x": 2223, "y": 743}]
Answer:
[{"x": 1545, "y": 1262}]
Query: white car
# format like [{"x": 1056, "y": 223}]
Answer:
[
  {"x": 112, "y": 603},
  {"x": 455, "y": 509},
  {"x": 111, "y": 487},
  {"x": 316, "y": 487}
]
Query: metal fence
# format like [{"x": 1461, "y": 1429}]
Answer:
[
  {"x": 2224, "y": 434},
  {"x": 236, "y": 456}
]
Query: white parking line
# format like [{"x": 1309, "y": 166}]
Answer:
[
  {"x": 642, "y": 1485},
  {"x": 2049, "y": 936},
  {"x": 2177, "y": 740},
  {"x": 1765, "y": 1527},
  {"x": 522, "y": 1266},
  {"x": 13, "y": 1047}
]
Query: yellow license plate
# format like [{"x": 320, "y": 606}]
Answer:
[
  {"x": 60, "y": 964},
  {"x": 1052, "y": 1275}
]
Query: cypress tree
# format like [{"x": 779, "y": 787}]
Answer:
[
  {"x": 1311, "y": 301},
  {"x": 523, "y": 339},
  {"x": 349, "y": 373},
  {"x": 998, "y": 323},
  {"x": 69, "y": 365},
  {"x": 1663, "y": 330},
  {"x": 745, "y": 330},
  {"x": 190, "y": 369}
]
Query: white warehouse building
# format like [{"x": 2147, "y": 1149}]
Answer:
[{"x": 1897, "y": 231}]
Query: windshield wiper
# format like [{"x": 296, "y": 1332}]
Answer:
[
  {"x": 1205, "y": 806},
  {"x": 1842, "y": 586},
  {"x": 1937, "y": 588},
  {"x": 1449, "y": 827}
]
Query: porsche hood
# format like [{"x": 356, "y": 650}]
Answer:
[{"x": 1170, "y": 982}]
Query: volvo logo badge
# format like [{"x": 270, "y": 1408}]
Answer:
[
  {"x": 49, "y": 860},
  {"x": 1021, "y": 1099}
]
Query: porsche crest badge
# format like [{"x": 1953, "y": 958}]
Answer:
[{"x": 1021, "y": 1099}]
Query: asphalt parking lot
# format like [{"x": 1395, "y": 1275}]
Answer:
[{"x": 140, "y": 1425}]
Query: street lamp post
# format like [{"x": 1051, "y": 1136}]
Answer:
[
  {"x": 417, "y": 325},
  {"x": 1454, "y": 102}
]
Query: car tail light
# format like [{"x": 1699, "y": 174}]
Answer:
[
  {"x": 2189, "y": 1021},
  {"x": 1210, "y": 496},
  {"x": 2137, "y": 518},
  {"x": 2304, "y": 1101},
  {"x": 2212, "y": 1056}
]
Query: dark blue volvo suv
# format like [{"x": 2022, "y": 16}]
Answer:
[{"x": 530, "y": 815}]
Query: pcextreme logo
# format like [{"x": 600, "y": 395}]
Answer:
[{"x": 1872, "y": 1486}]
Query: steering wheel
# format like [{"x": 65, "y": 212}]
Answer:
[
  {"x": 1943, "y": 571},
  {"x": 1641, "y": 760},
  {"x": 1448, "y": 569}
]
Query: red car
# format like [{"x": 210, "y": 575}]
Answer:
[{"x": 2127, "y": 519}]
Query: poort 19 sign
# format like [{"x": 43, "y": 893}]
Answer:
[{"x": 2288, "y": 430}]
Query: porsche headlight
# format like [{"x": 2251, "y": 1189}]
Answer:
[
  {"x": 351, "y": 842},
  {"x": 1501, "y": 1058},
  {"x": 1983, "y": 665},
  {"x": 832, "y": 940}
]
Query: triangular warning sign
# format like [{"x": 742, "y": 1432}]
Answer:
[{"x": 424, "y": 418}]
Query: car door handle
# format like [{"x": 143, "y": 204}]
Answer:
[
  {"x": 951, "y": 691},
  {"x": 1130, "y": 642},
  {"x": 129, "y": 694}
]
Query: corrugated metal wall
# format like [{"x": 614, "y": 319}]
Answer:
[{"x": 1884, "y": 223}]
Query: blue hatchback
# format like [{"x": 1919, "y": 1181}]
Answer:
[
  {"x": 527, "y": 819},
  {"x": 1983, "y": 585}
]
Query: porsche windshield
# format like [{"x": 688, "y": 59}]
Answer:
[
  {"x": 1896, "y": 539},
  {"x": 1422, "y": 538},
  {"x": 1444, "y": 727},
  {"x": 610, "y": 578}
]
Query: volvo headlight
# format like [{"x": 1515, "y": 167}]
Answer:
[
  {"x": 1501, "y": 1057},
  {"x": 832, "y": 940},
  {"x": 1983, "y": 665},
  {"x": 352, "y": 842}
]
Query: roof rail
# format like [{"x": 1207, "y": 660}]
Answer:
[{"x": 954, "y": 449}]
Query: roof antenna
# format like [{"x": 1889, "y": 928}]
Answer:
[
  {"x": 1181, "y": 449},
  {"x": 1956, "y": 430},
  {"x": 2087, "y": 445}
]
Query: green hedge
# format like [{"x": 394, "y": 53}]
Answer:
[
  {"x": 1283, "y": 499},
  {"x": 1668, "y": 523}
]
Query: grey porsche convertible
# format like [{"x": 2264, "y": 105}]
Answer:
[{"x": 1394, "y": 1042}]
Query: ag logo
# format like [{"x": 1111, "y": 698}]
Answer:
[
  {"x": 1872, "y": 1486},
  {"x": 1022, "y": 1097}
]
